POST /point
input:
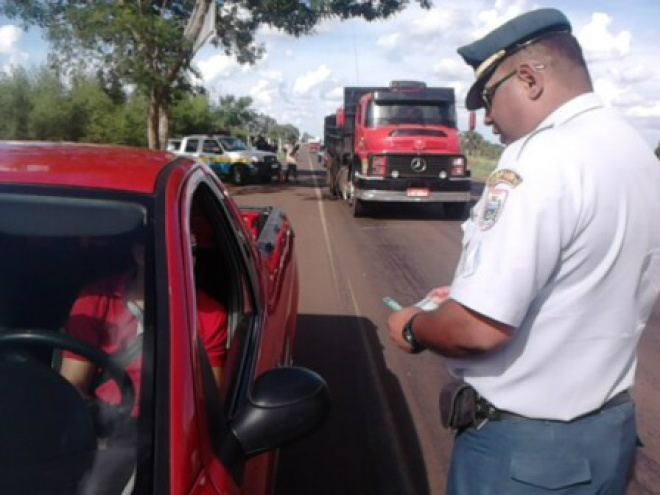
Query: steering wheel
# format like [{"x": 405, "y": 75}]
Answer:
[{"x": 53, "y": 340}]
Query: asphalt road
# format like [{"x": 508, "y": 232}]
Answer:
[{"x": 384, "y": 435}]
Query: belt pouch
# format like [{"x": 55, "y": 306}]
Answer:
[{"x": 458, "y": 405}]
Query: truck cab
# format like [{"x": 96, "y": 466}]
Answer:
[{"x": 398, "y": 144}]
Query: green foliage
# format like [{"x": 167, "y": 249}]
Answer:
[
  {"x": 150, "y": 44},
  {"x": 45, "y": 105},
  {"x": 192, "y": 115},
  {"x": 233, "y": 112},
  {"x": 482, "y": 155},
  {"x": 16, "y": 103},
  {"x": 475, "y": 145}
]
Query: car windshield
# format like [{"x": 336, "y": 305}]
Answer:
[
  {"x": 232, "y": 143},
  {"x": 436, "y": 114},
  {"x": 72, "y": 293}
]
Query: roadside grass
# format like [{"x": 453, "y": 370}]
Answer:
[{"x": 481, "y": 166}]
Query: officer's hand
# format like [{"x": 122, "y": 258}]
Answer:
[
  {"x": 396, "y": 322},
  {"x": 439, "y": 294}
]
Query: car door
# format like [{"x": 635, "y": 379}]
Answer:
[{"x": 224, "y": 270}]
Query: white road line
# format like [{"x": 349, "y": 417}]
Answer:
[{"x": 324, "y": 225}]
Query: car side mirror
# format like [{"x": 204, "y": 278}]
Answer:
[{"x": 284, "y": 404}]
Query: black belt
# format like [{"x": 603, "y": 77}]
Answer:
[{"x": 488, "y": 412}]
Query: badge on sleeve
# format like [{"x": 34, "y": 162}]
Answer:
[
  {"x": 504, "y": 176},
  {"x": 499, "y": 183}
]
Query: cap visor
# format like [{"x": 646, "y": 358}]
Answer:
[{"x": 473, "y": 100}]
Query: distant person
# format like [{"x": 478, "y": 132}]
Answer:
[
  {"x": 292, "y": 162},
  {"x": 262, "y": 144},
  {"x": 558, "y": 276}
]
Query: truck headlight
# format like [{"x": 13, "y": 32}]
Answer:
[
  {"x": 378, "y": 166},
  {"x": 458, "y": 166}
]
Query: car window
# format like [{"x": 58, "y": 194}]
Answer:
[
  {"x": 220, "y": 272},
  {"x": 71, "y": 268},
  {"x": 211, "y": 146},
  {"x": 191, "y": 145},
  {"x": 232, "y": 143}
]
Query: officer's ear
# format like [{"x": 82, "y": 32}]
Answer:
[{"x": 532, "y": 79}]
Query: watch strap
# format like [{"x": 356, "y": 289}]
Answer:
[{"x": 409, "y": 336}]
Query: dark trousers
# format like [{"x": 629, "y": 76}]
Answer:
[
  {"x": 589, "y": 455},
  {"x": 291, "y": 168}
]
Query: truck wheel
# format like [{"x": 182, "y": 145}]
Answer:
[
  {"x": 455, "y": 211},
  {"x": 359, "y": 208},
  {"x": 237, "y": 175}
]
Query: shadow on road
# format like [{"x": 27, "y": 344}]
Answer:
[{"x": 357, "y": 451}]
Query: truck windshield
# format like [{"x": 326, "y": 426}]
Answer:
[
  {"x": 232, "y": 143},
  {"x": 439, "y": 113},
  {"x": 73, "y": 278}
]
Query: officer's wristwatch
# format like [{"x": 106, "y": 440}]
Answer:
[{"x": 409, "y": 336}]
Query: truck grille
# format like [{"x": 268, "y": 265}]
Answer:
[{"x": 411, "y": 166}]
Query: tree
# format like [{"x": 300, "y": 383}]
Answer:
[
  {"x": 15, "y": 101},
  {"x": 233, "y": 112},
  {"x": 49, "y": 116},
  {"x": 151, "y": 43},
  {"x": 657, "y": 151}
]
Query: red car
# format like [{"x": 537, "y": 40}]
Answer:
[{"x": 90, "y": 227}]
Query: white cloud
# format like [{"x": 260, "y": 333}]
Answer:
[
  {"x": 263, "y": 92},
  {"x": 646, "y": 112},
  {"x": 389, "y": 41},
  {"x": 217, "y": 66},
  {"x": 310, "y": 80},
  {"x": 451, "y": 68},
  {"x": 599, "y": 43},
  {"x": 435, "y": 21},
  {"x": 10, "y": 35}
]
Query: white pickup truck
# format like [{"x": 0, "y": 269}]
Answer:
[{"x": 229, "y": 157}]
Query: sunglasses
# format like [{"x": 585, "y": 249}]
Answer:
[{"x": 488, "y": 93}]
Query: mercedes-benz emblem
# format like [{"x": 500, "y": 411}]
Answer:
[{"x": 418, "y": 165}]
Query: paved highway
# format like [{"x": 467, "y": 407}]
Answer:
[{"x": 384, "y": 435}]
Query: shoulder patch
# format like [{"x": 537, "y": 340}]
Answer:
[
  {"x": 495, "y": 200},
  {"x": 504, "y": 176}
]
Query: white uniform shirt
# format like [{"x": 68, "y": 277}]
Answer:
[{"x": 564, "y": 246}]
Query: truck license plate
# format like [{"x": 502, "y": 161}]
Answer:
[{"x": 417, "y": 193}]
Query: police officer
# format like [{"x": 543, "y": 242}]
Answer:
[{"x": 558, "y": 275}]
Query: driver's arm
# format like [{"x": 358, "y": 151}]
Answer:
[{"x": 79, "y": 373}]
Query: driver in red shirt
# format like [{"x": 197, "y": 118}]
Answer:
[{"x": 109, "y": 316}]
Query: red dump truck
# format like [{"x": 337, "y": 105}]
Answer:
[{"x": 397, "y": 144}]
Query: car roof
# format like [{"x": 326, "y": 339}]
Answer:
[{"x": 119, "y": 168}]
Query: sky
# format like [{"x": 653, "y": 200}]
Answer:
[{"x": 300, "y": 80}]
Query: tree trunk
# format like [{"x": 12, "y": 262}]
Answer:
[
  {"x": 153, "y": 120},
  {"x": 163, "y": 124}
]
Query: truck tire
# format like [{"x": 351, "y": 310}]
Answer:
[
  {"x": 455, "y": 211},
  {"x": 237, "y": 175},
  {"x": 359, "y": 208}
]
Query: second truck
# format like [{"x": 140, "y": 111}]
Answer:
[{"x": 397, "y": 144}]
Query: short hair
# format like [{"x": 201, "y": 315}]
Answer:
[{"x": 557, "y": 49}]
